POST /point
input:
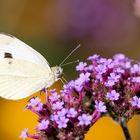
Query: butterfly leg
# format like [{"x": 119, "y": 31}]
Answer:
[
  {"x": 64, "y": 79},
  {"x": 44, "y": 90}
]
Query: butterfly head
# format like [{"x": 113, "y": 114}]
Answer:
[{"x": 57, "y": 70}]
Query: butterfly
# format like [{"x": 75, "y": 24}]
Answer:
[{"x": 23, "y": 70}]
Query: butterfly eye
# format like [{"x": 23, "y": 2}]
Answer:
[{"x": 58, "y": 72}]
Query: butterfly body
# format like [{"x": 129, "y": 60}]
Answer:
[{"x": 23, "y": 71}]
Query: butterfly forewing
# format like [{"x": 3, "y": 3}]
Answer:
[
  {"x": 20, "y": 50},
  {"x": 23, "y": 71}
]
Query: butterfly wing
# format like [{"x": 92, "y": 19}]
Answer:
[
  {"x": 24, "y": 73},
  {"x": 20, "y": 50},
  {"x": 15, "y": 88}
]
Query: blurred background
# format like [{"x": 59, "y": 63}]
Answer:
[{"x": 54, "y": 28}]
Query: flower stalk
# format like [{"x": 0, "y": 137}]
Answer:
[{"x": 124, "y": 127}]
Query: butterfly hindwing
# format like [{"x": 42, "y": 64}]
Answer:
[{"x": 18, "y": 88}]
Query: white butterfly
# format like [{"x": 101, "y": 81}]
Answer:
[{"x": 23, "y": 71}]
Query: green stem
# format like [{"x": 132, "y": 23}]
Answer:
[{"x": 125, "y": 130}]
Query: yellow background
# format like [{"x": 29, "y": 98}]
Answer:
[{"x": 54, "y": 27}]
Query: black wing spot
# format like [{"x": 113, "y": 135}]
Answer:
[{"x": 8, "y": 55}]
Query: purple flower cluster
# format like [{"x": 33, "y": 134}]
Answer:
[
  {"x": 116, "y": 82},
  {"x": 104, "y": 87}
]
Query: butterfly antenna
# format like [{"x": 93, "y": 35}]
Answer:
[
  {"x": 69, "y": 55},
  {"x": 70, "y": 63}
]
